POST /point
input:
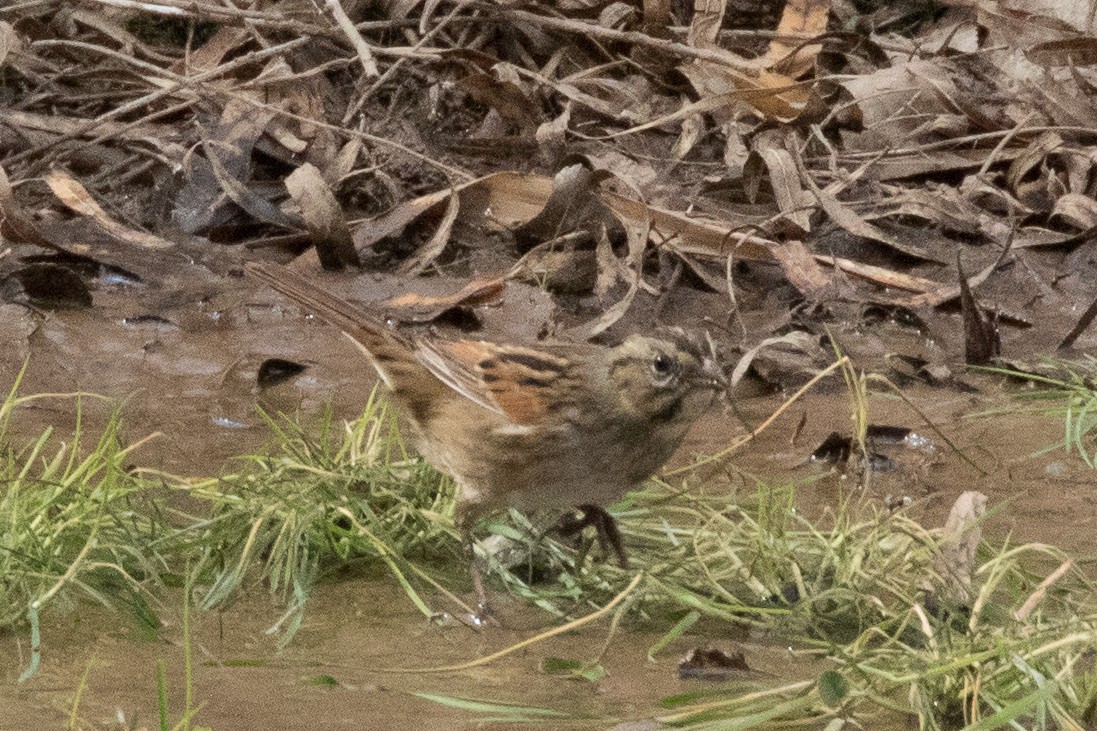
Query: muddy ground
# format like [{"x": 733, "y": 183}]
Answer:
[
  {"x": 912, "y": 185},
  {"x": 197, "y": 387}
]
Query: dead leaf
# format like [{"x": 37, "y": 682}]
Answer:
[
  {"x": 801, "y": 269},
  {"x": 784, "y": 177},
  {"x": 412, "y": 307},
  {"x": 982, "y": 342},
  {"x": 851, "y": 222},
  {"x": 432, "y": 249},
  {"x": 505, "y": 97},
  {"x": 722, "y": 87},
  {"x": 1069, "y": 52},
  {"x": 692, "y": 127},
  {"x": 1033, "y": 155},
  {"x": 552, "y": 136},
  {"x": 572, "y": 271},
  {"x": 15, "y": 224},
  {"x": 804, "y": 18},
  {"x": 962, "y": 535},
  {"x": 573, "y": 206},
  {"x": 637, "y": 233},
  {"x": 1076, "y": 210},
  {"x": 70, "y": 192},
  {"x": 224, "y": 171},
  {"x": 323, "y": 217},
  {"x": 10, "y": 45},
  {"x": 796, "y": 340},
  {"x": 712, "y": 663}
]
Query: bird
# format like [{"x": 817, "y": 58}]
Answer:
[{"x": 530, "y": 426}]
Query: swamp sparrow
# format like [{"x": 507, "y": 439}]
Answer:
[{"x": 561, "y": 426}]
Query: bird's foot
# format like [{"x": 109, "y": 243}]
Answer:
[{"x": 605, "y": 527}]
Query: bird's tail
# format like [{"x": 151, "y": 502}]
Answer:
[{"x": 392, "y": 355}]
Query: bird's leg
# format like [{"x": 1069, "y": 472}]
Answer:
[
  {"x": 483, "y": 614},
  {"x": 605, "y": 528}
]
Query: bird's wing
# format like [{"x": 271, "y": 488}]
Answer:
[{"x": 516, "y": 382}]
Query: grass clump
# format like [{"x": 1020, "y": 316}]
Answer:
[
  {"x": 1073, "y": 385},
  {"x": 75, "y": 521},
  {"x": 320, "y": 503},
  {"x": 863, "y": 595}
]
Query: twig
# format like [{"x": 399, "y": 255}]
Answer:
[
  {"x": 167, "y": 90},
  {"x": 574, "y": 624},
  {"x": 356, "y": 40},
  {"x": 191, "y": 9},
  {"x": 590, "y": 30}
]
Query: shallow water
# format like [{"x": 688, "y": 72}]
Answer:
[
  {"x": 194, "y": 382},
  {"x": 357, "y": 628}
]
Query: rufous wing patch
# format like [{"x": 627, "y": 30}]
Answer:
[{"x": 514, "y": 381}]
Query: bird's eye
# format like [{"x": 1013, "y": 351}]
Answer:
[{"x": 663, "y": 365}]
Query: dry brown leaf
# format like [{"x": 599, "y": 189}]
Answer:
[
  {"x": 640, "y": 174},
  {"x": 963, "y": 533},
  {"x": 939, "y": 204},
  {"x": 944, "y": 293},
  {"x": 1076, "y": 210},
  {"x": 10, "y": 45},
  {"x": 411, "y": 307},
  {"x": 692, "y": 128},
  {"x": 895, "y": 102},
  {"x": 904, "y": 165},
  {"x": 211, "y": 53},
  {"x": 74, "y": 195},
  {"x": 551, "y": 136},
  {"x": 955, "y": 32},
  {"x": 573, "y": 206},
  {"x": 884, "y": 277},
  {"x": 616, "y": 15},
  {"x": 801, "y": 269},
  {"x": 255, "y": 205},
  {"x": 323, "y": 218},
  {"x": 695, "y": 234},
  {"x": 1031, "y": 157},
  {"x": 570, "y": 271},
  {"x": 505, "y": 97},
  {"x": 850, "y": 221},
  {"x": 609, "y": 268},
  {"x": 784, "y": 177},
  {"x": 704, "y": 27},
  {"x": 724, "y": 88},
  {"x": 282, "y": 89},
  {"x": 1019, "y": 28},
  {"x": 430, "y": 251},
  {"x": 1069, "y": 52},
  {"x": 804, "y": 18},
  {"x": 222, "y": 174},
  {"x": 982, "y": 342},
  {"x": 797, "y": 339},
  {"x": 15, "y": 225},
  {"x": 343, "y": 163},
  {"x": 637, "y": 233},
  {"x": 166, "y": 136}
]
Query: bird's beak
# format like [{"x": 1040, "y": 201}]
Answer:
[{"x": 712, "y": 375}]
